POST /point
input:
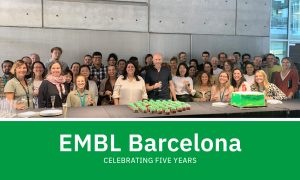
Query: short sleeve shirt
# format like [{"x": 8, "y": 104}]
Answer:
[
  {"x": 153, "y": 76},
  {"x": 14, "y": 86}
]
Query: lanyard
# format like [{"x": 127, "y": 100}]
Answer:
[
  {"x": 25, "y": 90},
  {"x": 82, "y": 98},
  {"x": 222, "y": 95},
  {"x": 4, "y": 80}
]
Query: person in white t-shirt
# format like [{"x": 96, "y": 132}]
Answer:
[{"x": 183, "y": 84}]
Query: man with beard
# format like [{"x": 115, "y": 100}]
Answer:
[{"x": 6, "y": 66}]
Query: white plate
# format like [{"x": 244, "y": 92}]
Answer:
[
  {"x": 274, "y": 101},
  {"x": 28, "y": 114},
  {"x": 219, "y": 104},
  {"x": 51, "y": 112}
]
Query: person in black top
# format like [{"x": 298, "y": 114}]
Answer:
[
  {"x": 159, "y": 80},
  {"x": 53, "y": 85}
]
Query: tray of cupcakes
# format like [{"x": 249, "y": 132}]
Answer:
[{"x": 159, "y": 106}]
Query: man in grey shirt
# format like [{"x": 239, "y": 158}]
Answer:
[{"x": 55, "y": 56}]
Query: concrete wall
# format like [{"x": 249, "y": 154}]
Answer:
[{"x": 132, "y": 27}]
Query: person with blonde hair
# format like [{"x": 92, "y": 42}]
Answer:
[
  {"x": 18, "y": 88},
  {"x": 222, "y": 90},
  {"x": 202, "y": 87},
  {"x": 270, "y": 90},
  {"x": 81, "y": 97}
]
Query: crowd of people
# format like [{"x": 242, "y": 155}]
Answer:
[{"x": 31, "y": 83}]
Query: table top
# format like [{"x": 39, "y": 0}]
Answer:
[{"x": 198, "y": 109}]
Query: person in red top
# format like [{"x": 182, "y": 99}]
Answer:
[{"x": 287, "y": 80}]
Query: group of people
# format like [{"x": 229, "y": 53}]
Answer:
[{"x": 31, "y": 83}]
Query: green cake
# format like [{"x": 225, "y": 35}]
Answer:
[{"x": 248, "y": 99}]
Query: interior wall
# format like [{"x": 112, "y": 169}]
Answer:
[{"x": 132, "y": 27}]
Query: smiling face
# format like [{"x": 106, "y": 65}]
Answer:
[
  {"x": 192, "y": 71},
  {"x": 227, "y": 66},
  {"x": 55, "y": 70},
  {"x": 207, "y": 68},
  {"x": 237, "y": 75},
  {"x": 204, "y": 78},
  {"x": 111, "y": 61},
  {"x": 157, "y": 59},
  {"x": 68, "y": 78},
  {"x": 21, "y": 71},
  {"x": 249, "y": 69},
  {"x": 130, "y": 69},
  {"x": 223, "y": 78},
  {"x": 75, "y": 69},
  {"x": 285, "y": 64},
  {"x": 87, "y": 60},
  {"x": 111, "y": 71},
  {"x": 85, "y": 72},
  {"x": 55, "y": 55},
  {"x": 173, "y": 64},
  {"x": 182, "y": 70},
  {"x": 80, "y": 82},
  {"x": 38, "y": 69},
  {"x": 6, "y": 67},
  {"x": 259, "y": 77}
]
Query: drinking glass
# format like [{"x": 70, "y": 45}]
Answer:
[
  {"x": 52, "y": 101},
  {"x": 159, "y": 89},
  {"x": 65, "y": 109}
]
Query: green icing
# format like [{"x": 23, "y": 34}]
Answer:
[{"x": 247, "y": 100}]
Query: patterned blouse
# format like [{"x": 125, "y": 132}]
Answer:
[
  {"x": 199, "y": 94},
  {"x": 272, "y": 91}
]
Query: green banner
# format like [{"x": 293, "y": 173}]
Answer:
[{"x": 149, "y": 150}]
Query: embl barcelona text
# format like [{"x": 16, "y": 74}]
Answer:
[{"x": 137, "y": 143}]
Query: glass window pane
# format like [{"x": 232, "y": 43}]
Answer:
[
  {"x": 279, "y": 19},
  {"x": 295, "y": 19},
  {"x": 279, "y": 49}
]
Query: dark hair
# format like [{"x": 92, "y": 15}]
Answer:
[
  {"x": 112, "y": 55},
  {"x": 97, "y": 53},
  {"x": 233, "y": 82},
  {"x": 251, "y": 65},
  {"x": 174, "y": 59},
  {"x": 68, "y": 71},
  {"x": 270, "y": 54},
  {"x": 246, "y": 54},
  {"x": 136, "y": 71},
  {"x": 194, "y": 60},
  {"x": 6, "y": 61},
  {"x": 84, "y": 66},
  {"x": 238, "y": 53},
  {"x": 206, "y": 52},
  {"x": 120, "y": 60},
  {"x": 199, "y": 76},
  {"x": 211, "y": 70},
  {"x": 56, "y": 48},
  {"x": 148, "y": 55},
  {"x": 134, "y": 60},
  {"x": 219, "y": 55},
  {"x": 74, "y": 64},
  {"x": 182, "y": 52},
  {"x": 229, "y": 62},
  {"x": 54, "y": 62},
  {"x": 45, "y": 70},
  {"x": 186, "y": 67}
]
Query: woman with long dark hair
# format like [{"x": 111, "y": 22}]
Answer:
[{"x": 129, "y": 87}]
